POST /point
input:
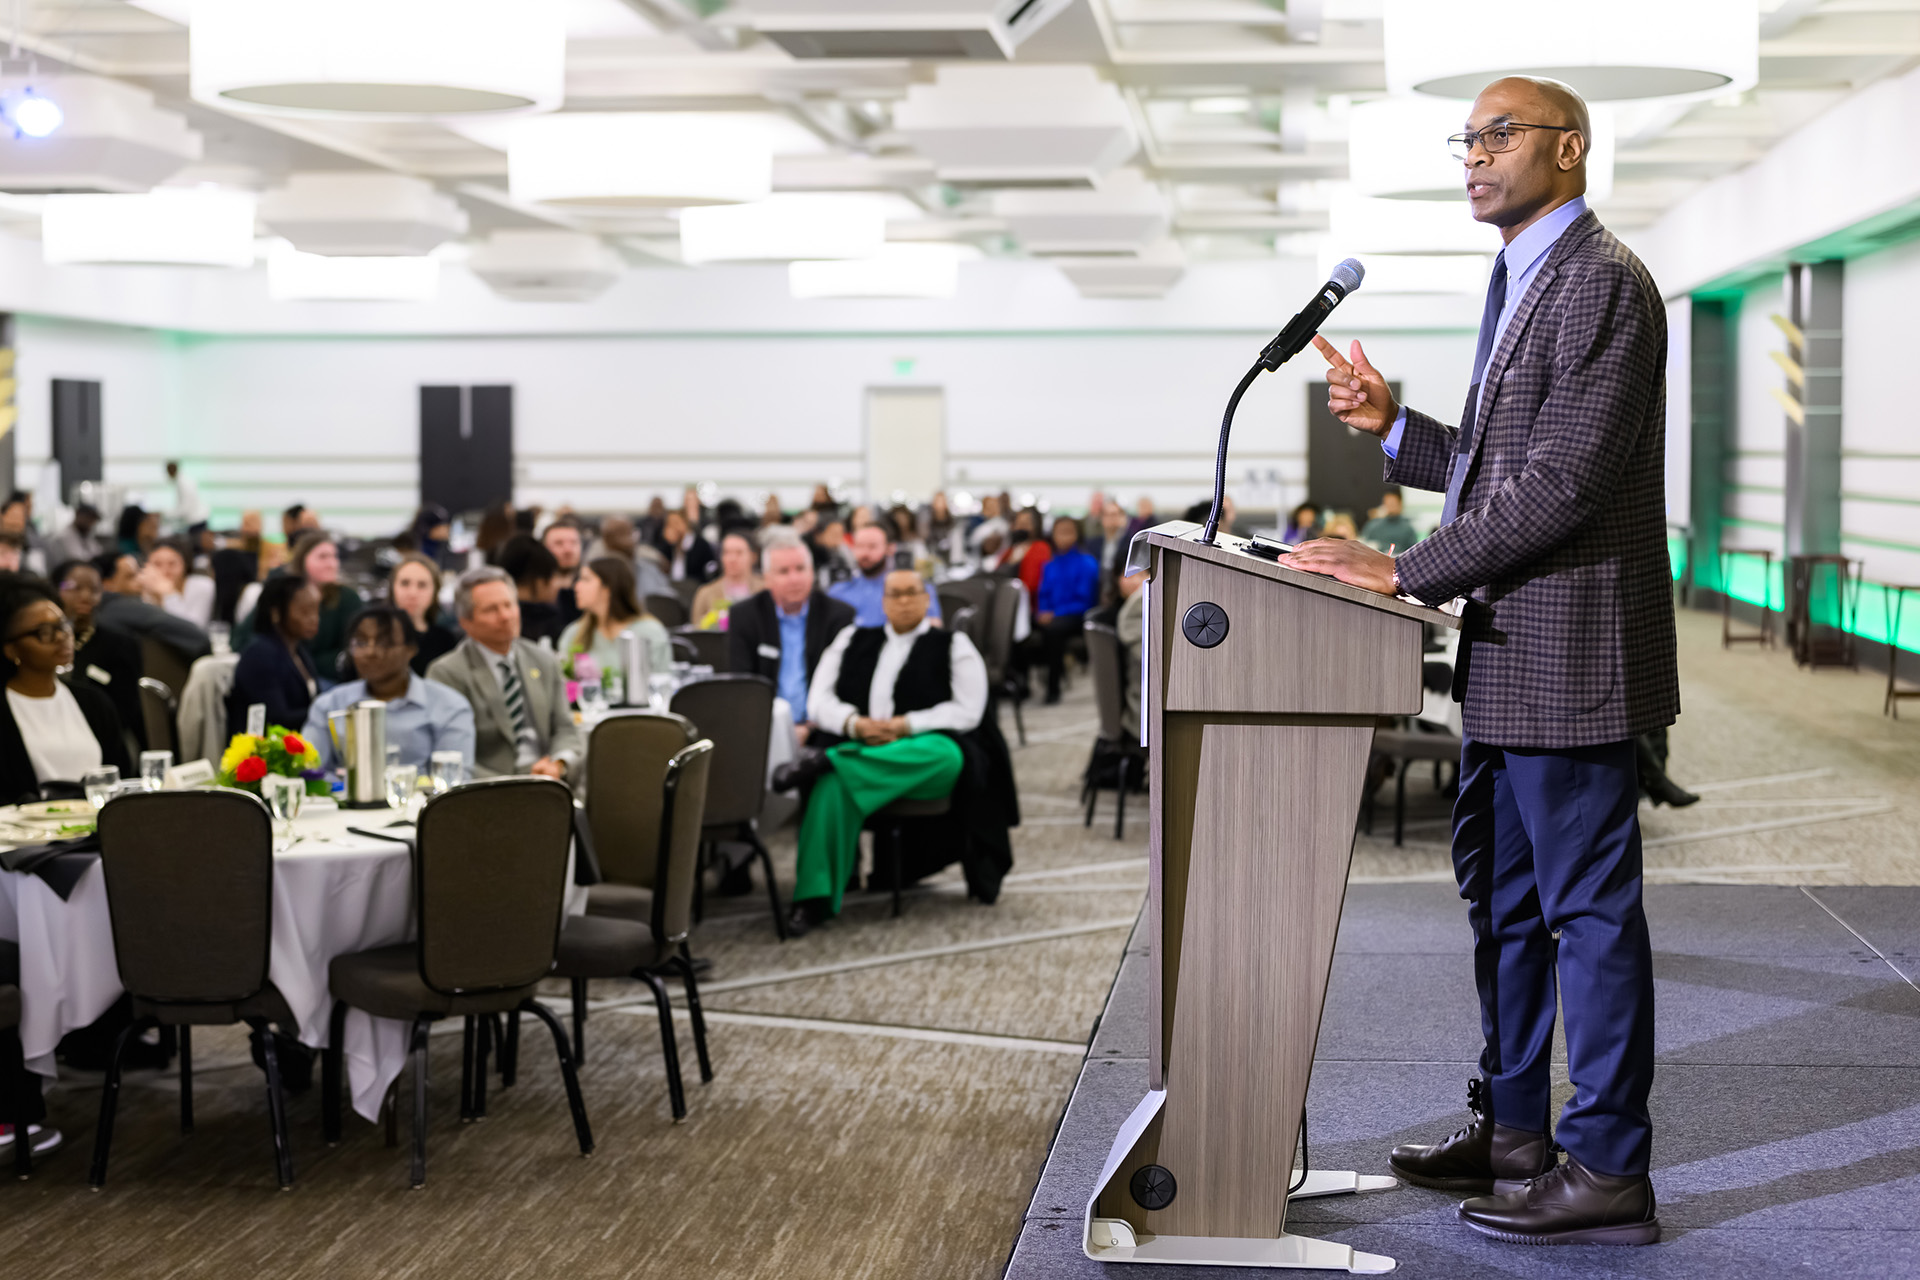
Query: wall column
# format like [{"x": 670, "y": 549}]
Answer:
[
  {"x": 1813, "y": 445},
  {"x": 1713, "y": 359}
]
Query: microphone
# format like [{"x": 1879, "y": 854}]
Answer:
[{"x": 1299, "y": 331}]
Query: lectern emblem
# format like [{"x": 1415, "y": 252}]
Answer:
[
  {"x": 1205, "y": 624},
  {"x": 1153, "y": 1187}
]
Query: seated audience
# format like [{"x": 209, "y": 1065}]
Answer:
[
  {"x": 874, "y": 558},
  {"x": 688, "y": 556},
  {"x": 609, "y": 608},
  {"x": 1027, "y": 551},
  {"x": 81, "y": 539},
  {"x": 619, "y": 538},
  {"x": 1069, "y": 587},
  {"x": 1340, "y": 525},
  {"x": 1303, "y": 525},
  {"x": 316, "y": 558},
  {"x": 109, "y": 659},
  {"x": 166, "y": 582},
  {"x": 1130, "y": 624},
  {"x": 535, "y": 575},
  {"x": 521, "y": 720},
  {"x": 51, "y": 730},
  {"x": 567, "y": 541},
  {"x": 13, "y": 553},
  {"x": 1390, "y": 529},
  {"x": 16, "y": 518},
  {"x": 940, "y": 530},
  {"x": 895, "y": 702},
  {"x": 139, "y": 530},
  {"x": 736, "y": 582},
  {"x": 422, "y": 717},
  {"x": 905, "y": 528},
  {"x": 1110, "y": 547},
  {"x": 414, "y": 588},
  {"x": 277, "y": 668},
  {"x": 121, "y": 609},
  {"x": 831, "y": 559},
  {"x": 781, "y": 631}
]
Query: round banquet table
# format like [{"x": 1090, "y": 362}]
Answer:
[{"x": 334, "y": 892}]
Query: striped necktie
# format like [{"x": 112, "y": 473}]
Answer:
[
  {"x": 1489, "y": 323},
  {"x": 525, "y": 739}
]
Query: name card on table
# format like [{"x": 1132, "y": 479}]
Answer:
[{"x": 194, "y": 773}]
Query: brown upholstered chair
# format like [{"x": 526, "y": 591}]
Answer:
[
  {"x": 604, "y": 947},
  {"x": 1002, "y": 613},
  {"x": 14, "y": 1063},
  {"x": 626, "y": 759},
  {"x": 670, "y": 610},
  {"x": 193, "y": 865},
  {"x": 735, "y": 712},
  {"x": 709, "y": 647},
  {"x": 489, "y": 891}
]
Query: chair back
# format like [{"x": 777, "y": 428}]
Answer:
[
  {"x": 161, "y": 712},
  {"x": 671, "y": 610},
  {"x": 490, "y": 883},
  {"x": 951, "y": 605},
  {"x": 233, "y": 569},
  {"x": 627, "y": 756},
  {"x": 735, "y": 713},
  {"x": 1000, "y": 620},
  {"x": 189, "y": 878},
  {"x": 975, "y": 591},
  {"x": 1103, "y": 655},
  {"x": 709, "y": 647},
  {"x": 160, "y": 661},
  {"x": 967, "y": 621},
  {"x": 687, "y": 589},
  {"x": 683, "y": 803}
]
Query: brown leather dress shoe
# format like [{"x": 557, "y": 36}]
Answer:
[
  {"x": 1571, "y": 1204},
  {"x": 1481, "y": 1158}
]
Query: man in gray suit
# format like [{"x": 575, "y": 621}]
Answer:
[
  {"x": 1555, "y": 525},
  {"x": 520, "y": 716}
]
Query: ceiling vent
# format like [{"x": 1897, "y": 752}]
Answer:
[
  {"x": 545, "y": 266},
  {"x": 112, "y": 139},
  {"x": 362, "y": 215},
  {"x": 1016, "y": 126},
  {"x": 981, "y": 29},
  {"x": 1148, "y": 274},
  {"x": 1123, "y": 215}
]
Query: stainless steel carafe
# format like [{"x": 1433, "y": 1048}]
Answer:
[
  {"x": 633, "y": 657},
  {"x": 360, "y": 742}
]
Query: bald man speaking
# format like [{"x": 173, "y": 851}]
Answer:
[{"x": 1555, "y": 524}]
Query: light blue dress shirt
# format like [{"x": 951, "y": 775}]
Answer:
[
  {"x": 428, "y": 717},
  {"x": 867, "y": 596},
  {"x": 1524, "y": 258},
  {"x": 793, "y": 659}
]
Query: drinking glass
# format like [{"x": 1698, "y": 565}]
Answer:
[
  {"x": 448, "y": 770},
  {"x": 220, "y": 636},
  {"x": 153, "y": 768},
  {"x": 400, "y": 781},
  {"x": 99, "y": 785},
  {"x": 615, "y": 688},
  {"x": 393, "y": 754},
  {"x": 593, "y": 699},
  {"x": 284, "y": 796}
]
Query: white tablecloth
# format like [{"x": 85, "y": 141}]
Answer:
[{"x": 333, "y": 893}]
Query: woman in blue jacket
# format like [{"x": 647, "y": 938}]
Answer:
[{"x": 1069, "y": 588}]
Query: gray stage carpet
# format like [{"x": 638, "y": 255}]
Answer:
[{"x": 1787, "y": 1104}]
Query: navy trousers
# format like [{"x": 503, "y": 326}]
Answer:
[{"x": 1547, "y": 843}]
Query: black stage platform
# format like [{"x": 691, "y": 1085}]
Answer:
[{"x": 1786, "y": 1108}]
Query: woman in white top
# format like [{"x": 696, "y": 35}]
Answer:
[
  {"x": 50, "y": 731},
  {"x": 165, "y": 582},
  {"x": 609, "y": 608}
]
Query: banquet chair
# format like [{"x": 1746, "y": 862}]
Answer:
[
  {"x": 627, "y": 756},
  {"x": 736, "y": 713},
  {"x": 1117, "y": 760},
  {"x": 709, "y": 647},
  {"x": 1002, "y": 615},
  {"x": 489, "y": 892},
  {"x": 15, "y": 1065},
  {"x": 889, "y": 827},
  {"x": 670, "y": 610},
  {"x": 604, "y": 947},
  {"x": 193, "y": 864},
  {"x": 161, "y": 711}
]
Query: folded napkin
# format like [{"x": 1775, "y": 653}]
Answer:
[{"x": 60, "y": 863}]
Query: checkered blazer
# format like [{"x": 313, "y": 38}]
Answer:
[{"x": 1561, "y": 529}]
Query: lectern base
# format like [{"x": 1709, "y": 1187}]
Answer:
[{"x": 1115, "y": 1240}]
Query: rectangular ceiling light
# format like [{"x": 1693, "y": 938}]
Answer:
[
  {"x": 293, "y": 276},
  {"x": 985, "y": 29},
  {"x": 1362, "y": 224},
  {"x": 784, "y": 228},
  {"x": 897, "y": 271},
  {"x": 199, "y": 228},
  {"x": 1416, "y": 273}
]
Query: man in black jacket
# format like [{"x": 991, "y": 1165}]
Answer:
[{"x": 780, "y": 631}]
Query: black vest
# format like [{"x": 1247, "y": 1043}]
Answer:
[{"x": 925, "y": 680}]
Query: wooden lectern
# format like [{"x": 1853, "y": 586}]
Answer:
[{"x": 1263, "y": 686}]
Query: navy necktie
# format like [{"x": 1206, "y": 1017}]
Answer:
[{"x": 1489, "y": 322}]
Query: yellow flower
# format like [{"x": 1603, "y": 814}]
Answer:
[{"x": 242, "y": 746}]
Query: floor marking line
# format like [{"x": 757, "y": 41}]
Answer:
[
  {"x": 1120, "y": 864},
  {"x": 1703, "y": 788},
  {"x": 1051, "y": 736},
  {"x": 1863, "y": 938},
  {"x": 1777, "y": 824},
  {"x": 1752, "y": 868},
  {"x": 884, "y": 1030}
]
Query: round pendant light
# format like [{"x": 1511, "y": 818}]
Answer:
[
  {"x": 1397, "y": 149},
  {"x": 400, "y": 59},
  {"x": 1624, "y": 49}
]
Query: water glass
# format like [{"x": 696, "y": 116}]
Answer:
[
  {"x": 615, "y": 689},
  {"x": 153, "y": 769},
  {"x": 593, "y": 698},
  {"x": 99, "y": 785},
  {"x": 220, "y": 636},
  {"x": 284, "y": 795},
  {"x": 400, "y": 782},
  {"x": 448, "y": 770}
]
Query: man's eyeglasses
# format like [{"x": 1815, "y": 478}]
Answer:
[
  {"x": 1494, "y": 140},
  {"x": 908, "y": 593},
  {"x": 367, "y": 644},
  {"x": 45, "y": 633}
]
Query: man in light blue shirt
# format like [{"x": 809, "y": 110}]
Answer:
[
  {"x": 422, "y": 716},
  {"x": 866, "y": 589},
  {"x": 792, "y": 684}
]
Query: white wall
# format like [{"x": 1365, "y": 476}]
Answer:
[
  {"x": 1880, "y": 386},
  {"x": 1756, "y": 461},
  {"x": 137, "y": 370}
]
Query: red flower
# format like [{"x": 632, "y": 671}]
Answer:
[
  {"x": 294, "y": 744},
  {"x": 252, "y": 769}
]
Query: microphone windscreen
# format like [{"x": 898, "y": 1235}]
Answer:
[{"x": 1348, "y": 274}]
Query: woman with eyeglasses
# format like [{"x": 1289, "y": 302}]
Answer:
[{"x": 52, "y": 730}]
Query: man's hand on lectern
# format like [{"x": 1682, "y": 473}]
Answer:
[
  {"x": 1354, "y": 563},
  {"x": 1357, "y": 394}
]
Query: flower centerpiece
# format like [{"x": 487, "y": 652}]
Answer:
[{"x": 250, "y": 757}]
